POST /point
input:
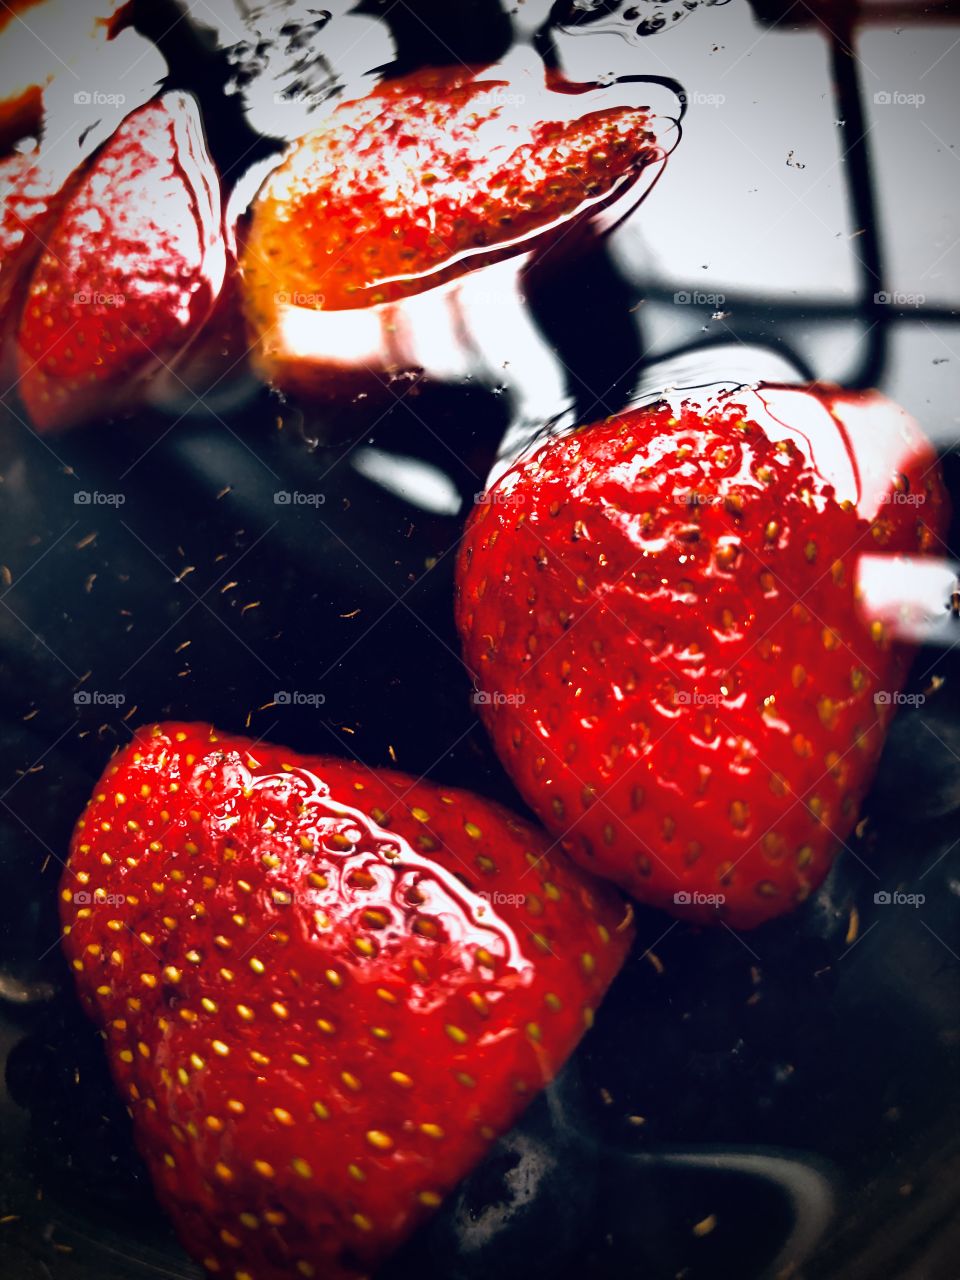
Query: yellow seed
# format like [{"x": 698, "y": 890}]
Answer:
[
  {"x": 279, "y": 1009},
  {"x": 257, "y": 965},
  {"x": 223, "y": 1172},
  {"x": 401, "y": 1078},
  {"x": 432, "y": 1130},
  {"x": 362, "y": 1221},
  {"x": 456, "y": 1034},
  {"x": 250, "y": 1220},
  {"x": 264, "y": 1169},
  {"x": 220, "y": 1048},
  {"x": 301, "y": 1168},
  {"x": 380, "y": 1140},
  {"x": 430, "y": 1199},
  {"x": 283, "y": 1116}
]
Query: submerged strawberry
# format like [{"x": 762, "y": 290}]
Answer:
[
  {"x": 29, "y": 195},
  {"x": 663, "y": 608},
  {"x": 324, "y": 990},
  {"x": 130, "y": 271},
  {"x": 403, "y": 190}
]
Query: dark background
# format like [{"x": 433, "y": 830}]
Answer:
[{"x": 793, "y": 1090}]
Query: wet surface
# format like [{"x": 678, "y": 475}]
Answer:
[{"x": 746, "y": 1103}]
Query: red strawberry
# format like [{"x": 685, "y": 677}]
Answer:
[
  {"x": 404, "y": 190},
  {"x": 29, "y": 191},
  {"x": 662, "y": 607},
  {"x": 130, "y": 271},
  {"x": 324, "y": 990}
]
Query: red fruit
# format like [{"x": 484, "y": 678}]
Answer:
[
  {"x": 130, "y": 271},
  {"x": 401, "y": 191},
  {"x": 662, "y": 607},
  {"x": 29, "y": 192},
  {"x": 324, "y": 990}
]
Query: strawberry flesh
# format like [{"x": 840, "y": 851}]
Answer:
[
  {"x": 131, "y": 269},
  {"x": 324, "y": 990},
  {"x": 429, "y": 175},
  {"x": 672, "y": 592}
]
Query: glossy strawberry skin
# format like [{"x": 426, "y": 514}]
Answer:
[
  {"x": 132, "y": 269},
  {"x": 318, "y": 1026},
  {"x": 427, "y": 177},
  {"x": 662, "y": 607},
  {"x": 29, "y": 196}
]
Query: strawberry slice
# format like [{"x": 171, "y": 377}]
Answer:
[
  {"x": 324, "y": 990},
  {"x": 29, "y": 192},
  {"x": 663, "y": 610},
  {"x": 130, "y": 271},
  {"x": 405, "y": 189}
]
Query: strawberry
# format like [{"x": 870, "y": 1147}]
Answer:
[
  {"x": 29, "y": 195},
  {"x": 130, "y": 271},
  {"x": 662, "y": 608},
  {"x": 324, "y": 990},
  {"x": 403, "y": 190}
]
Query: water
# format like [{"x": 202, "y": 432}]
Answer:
[{"x": 765, "y": 1082}]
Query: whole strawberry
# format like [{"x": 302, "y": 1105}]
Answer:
[
  {"x": 324, "y": 990},
  {"x": 662, "y": 612},
  {"x": 130, "y": 270},
  {"x": 430, "y": 175}
]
